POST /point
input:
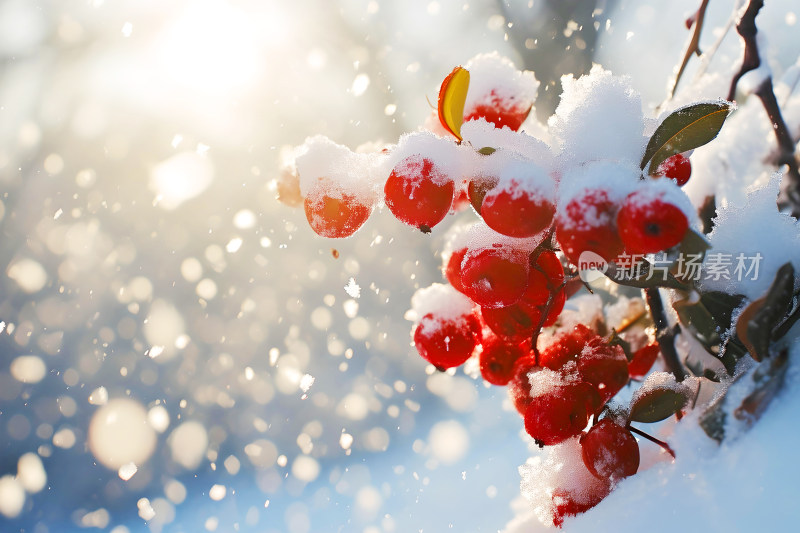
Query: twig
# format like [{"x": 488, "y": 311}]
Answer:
[
  {"x": 664, "y": 334},
  {"x": 747, "y": 29},
  {"x": 693, "y": 47},
  {"x": 709, "y": 54}
]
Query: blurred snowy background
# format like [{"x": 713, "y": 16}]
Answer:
[{"x": 179, "y": 351}]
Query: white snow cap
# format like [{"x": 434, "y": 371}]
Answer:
[
  {"x": 667, "y": 191},
  {"x": 749, "y": 231},
  {"x": 480, "y": 237},
  {"x": 526, "y": 177},
  {"x": 599, "y": 117},
  {"x": 340, "y": 169},
  {"x": 480, "y": 133},
  {"x": 449, "y": 158},
  {"x": 495, "y": 73},
  {"x": 443, "y": 301},
  {"x": 616, "y": 178}
]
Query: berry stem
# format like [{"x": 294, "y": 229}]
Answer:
[
  {"x": 664, "y": 334},
  {"x": 652, "y": 439}
]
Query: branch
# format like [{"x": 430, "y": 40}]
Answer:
[
  {"x": 786, "y": 152},
  {"x": 664, "y": 334},
  {"x": 747, "y": 29},
  {"x": 693, "y": 47}
]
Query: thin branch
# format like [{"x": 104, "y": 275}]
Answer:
[
  {"x": 709, "y": 54},
  {"x": 693, "y": 47},
  {"x": 747, "y": 29},
  {"x": 664, "y": 334}
]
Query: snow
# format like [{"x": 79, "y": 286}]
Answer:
[
  {"x": 599, "y": 117},
  {"x": 440, "y": 300},
  {"x": 613, "y": 179},
  {"x": 753, "y": 228},
  {"x": 28, "y": 369},
  {"x": 447, "y": 157},
  {"x": 494, "y": 72},
  {"x": 119, "y": 434}
]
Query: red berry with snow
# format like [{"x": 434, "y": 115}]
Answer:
[
  {"x": 498, "y": 358},
  {"x": 515, "y": 212},
  {"x": 567, "y": 503},
  {"x": 560, "y": 413},
  {"x": 334, "y": 214},
  {"x": 643, "y": 360},
  {"x": 647, "y": 223},
  {"x": 588, "y": 223},
  {"x": 604, "y": 366},
  {"x": 446, "y": 342},
  {"x": 610, "y": 451},
  {"x": 500, "y": 111},
  {"x": 419, "y": 193},
  {"x": 519, "y": 387},
  {"x": 566, "y": 348},
  {"x": 495, "y": 277},
  {"x": 678, "y": 168}
]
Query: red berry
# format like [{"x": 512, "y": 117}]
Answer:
[
  {"x": 516, "y": 209},
  {"x": 519, "y": 387},
  {"x": 588, "y": 223},
  {"x": 524, "y": 317},
  {"x": 495, "y": 277},
  {"x": 610, "y": 451},
  {"x": 446, "y": 342},
  {"x": 560, "y": 413},
  {"x": 515, "y": 321},
  {"x": 452, "y": 270},
  {"x": 567, "y": 503},
  {"x": 498, "y": 358},
  {"x": 546, "y": 275},
  {"x": 419, "y": 193},
  {"x": 604, "y": 366},
  {"x": 643, "y": 360},
  {"x": 332, "y": 214},
  {"x": 649, "y": 224},
  {"x": 499, "y": 111},
  {"x": 566, "y": 347},
  {"x": 677, "y": 168}
]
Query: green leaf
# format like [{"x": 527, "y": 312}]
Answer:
[
  {"x": 685, "y": 129},
  {"x": 657, "y": 404}
]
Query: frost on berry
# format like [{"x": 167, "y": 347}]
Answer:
[
  {"x": 654, "y": 217},
  {"x": 521, "y": 204},
  {"x": 519, "y": 386},
  {"x": 446, "y": 329},
  {"x": 678, "y": 168},
  {"x": 566, "y": 347},
  {"x": 588, "y": 201},
  {"x": 419, "y": 193},
  {"x": 338, "y": 186},
  {"x": 423, "y": 173},
  {"x": 498, "y": 92},
  {"x": 560, "y": 412},
  {"x": 610, "y": 451},
  {"x": 558, "y": 485}
]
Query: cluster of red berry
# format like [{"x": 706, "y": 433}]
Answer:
[{"x": 506, "y": 279}]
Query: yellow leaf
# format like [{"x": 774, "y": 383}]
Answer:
[{"x": 452, "y": 95}]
